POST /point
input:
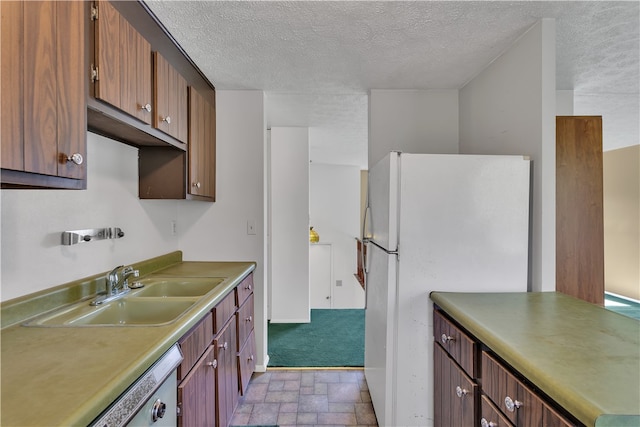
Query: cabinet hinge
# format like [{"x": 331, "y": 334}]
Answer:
[
  {"x": 94, "y": 12},
  {"x": 94, "y": 74}
]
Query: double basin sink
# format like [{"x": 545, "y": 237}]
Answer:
[{"x": 160, "y": 301}]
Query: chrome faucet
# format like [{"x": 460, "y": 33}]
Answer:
[{"x": 117, "y": 284}]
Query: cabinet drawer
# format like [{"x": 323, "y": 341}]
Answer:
[
  {"x": 519, "y": 404},
  {"x": 245, "y": 321},
  {"x": 458, "y": 344},
  {"x": 552, "y": 418},
  {"x": 245, "y": 288},
  {"x": 247, "y": 362},
  {"x": 490, "y": 416},
  {"x": 194, "y": 343},
  {"x": 223, "y": 311}
]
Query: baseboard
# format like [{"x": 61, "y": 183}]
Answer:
[
  {"x": 262, "y": 368},
  {"x": 306, "y": 320}
]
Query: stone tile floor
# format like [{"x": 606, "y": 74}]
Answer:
[{"x": 307, "y": 397}]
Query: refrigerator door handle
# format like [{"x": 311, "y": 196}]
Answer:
[{"x": 365, "y": 223}]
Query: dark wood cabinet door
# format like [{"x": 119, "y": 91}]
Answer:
[
  {"x": 197, "y": 393},
  {"x": 12, "y": 81},
  {"x": 441, "y": 385},
  {"x": 202, "y": 140},
  {"x": 170, "y": 99},
  {"x": 72, "y": 89},
  {"x": 455, "y": 394},
  {"x": 107, "y": 54},
  {"x": 247, "y": 362},
  {"x": 227, "y": 373},
  {"x": 136, "y": 78},
  {"x": 43, "y": 93},
  {"x": 123, "y": 58},
  {"x": 40, "y": 89}
]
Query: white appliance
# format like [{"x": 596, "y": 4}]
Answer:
[{"x": 456, "y": 223}]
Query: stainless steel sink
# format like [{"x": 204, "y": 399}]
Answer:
[{"x": 176, "y": 287}]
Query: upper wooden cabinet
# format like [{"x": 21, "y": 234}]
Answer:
[
  {"x": 43, "y": 95},
  {"x": 170, "y": 99},
  {"x": 122, "y": 63},
  {"x": 202, "y": 146}
]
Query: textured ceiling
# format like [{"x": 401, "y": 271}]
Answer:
[{"x": 317, "y": 60}]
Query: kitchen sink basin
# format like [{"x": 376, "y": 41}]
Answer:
[
  {"x": 127, "y": 311},
  {"x": 173, "y": 287}
]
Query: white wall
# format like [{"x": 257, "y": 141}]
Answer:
[
  {"x": 218, "y": 231},
  {"x": 289, "y": 229},
  {"x": 413, "y": 121},
  {"x": 564, "y": 103},
  {"x": 335, "y": 215},
  {"x": 32, "y": 221},
  {"x": 510, "y": 108}
]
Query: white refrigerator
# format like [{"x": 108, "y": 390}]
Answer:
[{"x": 434, "y": 222}]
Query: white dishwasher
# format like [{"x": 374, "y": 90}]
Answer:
[{"x": 151, "y": 400}]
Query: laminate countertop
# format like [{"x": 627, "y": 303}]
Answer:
[
  {"x": 67, "y": 376},
  {"x": 583, "y": 356}
]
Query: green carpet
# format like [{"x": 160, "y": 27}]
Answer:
[{"x": 334, "y": 338}]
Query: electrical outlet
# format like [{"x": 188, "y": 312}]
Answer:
[
  {"x": 251, "y": 227},
  {"x": 338, "y": 282}
]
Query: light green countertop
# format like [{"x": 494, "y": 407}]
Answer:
[
  {"x": 583, "y": 356},
  {"x": 66, "y": 376}
]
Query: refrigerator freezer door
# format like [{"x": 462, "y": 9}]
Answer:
[
  {"x": 463, "y": 228},
  {"x": 382, "y": 217},
  {"x": 379, "y": 348}
]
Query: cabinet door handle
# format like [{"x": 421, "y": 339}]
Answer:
[
  {"x": 511, "y": 404},
  {"x": 167, "y": 119},
  {"x": 248, "y": 287},
  {"x": 213, "y": 364},
  {"x": 248, "y": 319},
  {"x": 446, "y": 338},
  {"x": 461, "y": 392},
  {"x": 485, "y": 423},
  {"x": 250, "y": 358},
  {"x": 224, "y": 346},
  {"x": 75, "y": 158},
  {"x": 146, "y": 107},
  {"x": 196, "y": 184}
]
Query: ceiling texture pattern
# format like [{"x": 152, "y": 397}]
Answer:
[{"x": 316, "y": 60}]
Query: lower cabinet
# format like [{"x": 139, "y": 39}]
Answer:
[
  {"x": 473, "y": 387},
  {"x": 210, "y": 379},
  {"x": 227, "y": 375},
  {"x": 456, "y": 403},
  {"x": 197, "y": 393}
]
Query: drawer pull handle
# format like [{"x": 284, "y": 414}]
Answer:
[
  {"x": 511, "y": 404},
  {"x": 167, "y": 120},
  {"x": 248, "y": 287},
  {"x": 485, "y": 423},
  {"x": 446, "y": 338},
  {"x": 146, "y": 107},
  {"x": 224, "y": 346},
  {"x": 213, "y": 364},
  {"x": 461, "y": 392},
  {"x": 250, "y": 358},
  {"x": 248, "y": 319}
]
